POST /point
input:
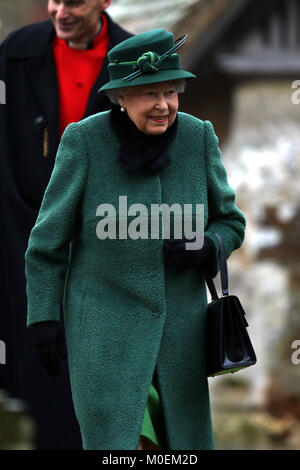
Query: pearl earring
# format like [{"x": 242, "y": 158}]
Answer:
[{"x": 122, "y": 109}]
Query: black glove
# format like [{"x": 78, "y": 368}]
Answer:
[
  {"x": 179, "y": 256},
  {"x": 50, "y": 346}
]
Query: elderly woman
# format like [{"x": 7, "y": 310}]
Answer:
[{"x": 134, "y": 305}]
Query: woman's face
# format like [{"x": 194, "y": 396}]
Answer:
[{"x": 153, "y": 107}]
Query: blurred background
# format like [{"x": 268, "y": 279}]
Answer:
[{"x": 246, "y": 55}]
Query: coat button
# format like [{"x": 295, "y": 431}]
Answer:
[{"x": 40, "y": 122}]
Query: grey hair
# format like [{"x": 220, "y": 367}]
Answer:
[{"x": 116, "y": 92}]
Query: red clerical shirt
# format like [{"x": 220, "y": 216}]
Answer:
[{"x": 77, "y": 71}]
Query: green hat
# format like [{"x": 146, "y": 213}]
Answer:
[{"x": 145, "y": 58}]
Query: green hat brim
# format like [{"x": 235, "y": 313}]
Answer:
[{"x": 147, "y": 78}]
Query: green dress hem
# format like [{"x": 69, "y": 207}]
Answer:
[{"x": 151, "y": 416}]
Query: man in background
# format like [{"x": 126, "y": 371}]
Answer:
[{"x": 52, "y": 71}]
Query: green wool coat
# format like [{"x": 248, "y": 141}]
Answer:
[{"x": 128, "y": 311}]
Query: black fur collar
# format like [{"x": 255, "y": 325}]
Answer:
[{"x": 139, "y": 151}]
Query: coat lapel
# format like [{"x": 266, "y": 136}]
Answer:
[
  {"x": 42, "y": 73},
  {"x": 98, "y": 101}
]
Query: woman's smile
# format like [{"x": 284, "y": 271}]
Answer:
[{"x": 159, "y": 119}]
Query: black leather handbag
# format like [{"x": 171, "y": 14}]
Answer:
[{"x": 228, "y": 346}]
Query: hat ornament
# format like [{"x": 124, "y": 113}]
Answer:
[{"x": 149, "y": 61}]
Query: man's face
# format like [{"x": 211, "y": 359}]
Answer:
[{"x": 76, "y": 20}]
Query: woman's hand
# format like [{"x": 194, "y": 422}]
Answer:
[
  {"x": 175, "y": 249},
  {"x": 50, "y": 345}
]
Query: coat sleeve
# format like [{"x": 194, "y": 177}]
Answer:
[
  {"x": 224, "y": 217},
  {"x": 46, "y": 257}
]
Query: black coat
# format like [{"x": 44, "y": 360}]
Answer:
[{"x": 32, "y": 106}]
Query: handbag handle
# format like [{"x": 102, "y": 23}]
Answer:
[{"x": 224, "y": 273}]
